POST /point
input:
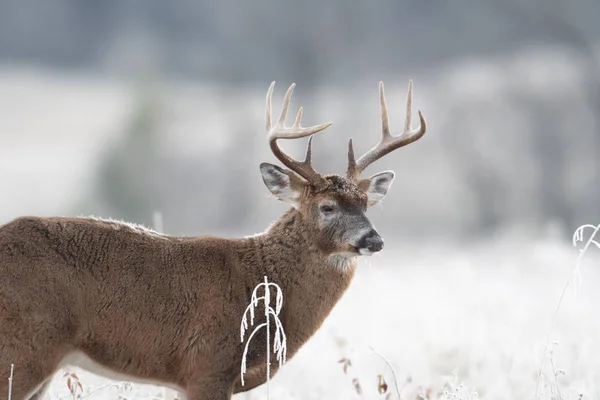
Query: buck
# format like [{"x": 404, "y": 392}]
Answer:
[{"x": 129, "y": 303}]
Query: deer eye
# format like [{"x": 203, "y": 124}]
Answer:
[{"x": 327, "y": 208}]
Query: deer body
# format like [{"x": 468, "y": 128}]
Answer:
[
  {"x": 131, "y": 303},
  {"x": 152, "y": 316}
]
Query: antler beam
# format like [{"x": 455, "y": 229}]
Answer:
[
  {"x": 388, "y": 143},
  {"x": 296, "y": 131}
]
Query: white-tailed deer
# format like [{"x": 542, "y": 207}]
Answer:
[{"x": 129, "y": 303}]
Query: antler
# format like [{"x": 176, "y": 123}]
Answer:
[
  {"x": 280, "y": 131},
  {"x": 388, "y": 143}
]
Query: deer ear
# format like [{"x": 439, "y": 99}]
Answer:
[
  {"x": 285, "y": 185},
  {"x": 376, "y": 186}
]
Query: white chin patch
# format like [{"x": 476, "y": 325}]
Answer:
[{"x": 365, "y": 252}]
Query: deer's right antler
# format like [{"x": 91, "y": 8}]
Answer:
[{"x": 296, "y": 131}]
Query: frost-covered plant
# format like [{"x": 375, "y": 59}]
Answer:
[
  {"x": 461, "y": 392},
  {"x": 280, "y": 341},
  {"x": 578, "y": 237},
  {"x": 74, "y": 385},
  {"x": 10, "y": 380}
]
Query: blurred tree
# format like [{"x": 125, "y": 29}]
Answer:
[
  {"x": 309, "y": 41},
  {"x": 483, "y": 179},
  {"x": 206, "y": 193},
  {"x": 127, "y": 177},
  {"x": 576, "y": 28}
]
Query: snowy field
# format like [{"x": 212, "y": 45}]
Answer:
[{"x": 442, "y": 316}]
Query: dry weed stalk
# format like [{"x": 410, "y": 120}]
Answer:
[
  {"x": 10, "y": 380},
  {"x": 74, "y": 385},
  {"x": 461, "y": 392},
  {"x": 576, "y": 279},
  {"x": 347, "y": 367},
  {"x": 387, "y": 363},
  {"x": 280, "y": 341}
]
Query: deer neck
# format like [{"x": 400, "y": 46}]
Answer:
[
  {"x": 291, "y": 244},
  {"x": 312, "y": 281}
]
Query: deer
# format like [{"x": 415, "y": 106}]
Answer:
[{"x": 126, "y": 302}]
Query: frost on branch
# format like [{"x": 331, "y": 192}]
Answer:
[
  {"x": 279, "y": 341},
  {"x": 578, "y": 236}
]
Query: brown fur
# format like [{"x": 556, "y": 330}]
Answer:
[{"x": 158, "y": 307}]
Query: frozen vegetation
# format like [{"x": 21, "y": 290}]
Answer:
[{"x": 444, "y": 316}]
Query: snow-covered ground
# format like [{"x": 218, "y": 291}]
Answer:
[{"x": 442, "y": 316}]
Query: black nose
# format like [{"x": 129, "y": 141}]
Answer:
[{"x": 371, "y": 241}]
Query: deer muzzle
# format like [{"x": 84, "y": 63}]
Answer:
[{"x": 370, "y": 243}]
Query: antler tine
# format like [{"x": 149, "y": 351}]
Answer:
[
  {"x": 296, "y": 131},
  {"x": 286, "y": 104},
  {"x": 351, "y": 172},
  {"x": 308, "y": 156},
  {"x": 408, "y": 117},
  {"x": 385, "y": 123},
  {"x": 298, "y": 118},
  {"x": 388, "y": 143},
  {"x": 268, "y": 105}
]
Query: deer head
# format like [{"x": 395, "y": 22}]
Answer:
[{"x": 334, "y": 206}]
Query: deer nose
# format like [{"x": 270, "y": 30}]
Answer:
[{"x": 371, "y": 241}]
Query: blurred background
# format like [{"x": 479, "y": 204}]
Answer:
[
  {"x": 122, "y": 108},
  {"x": 125, "y": 108}
]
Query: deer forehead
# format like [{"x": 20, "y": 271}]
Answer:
[{"x": 342, "y": 190}]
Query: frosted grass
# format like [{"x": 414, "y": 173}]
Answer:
[{"x": 476, "y": 316}]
